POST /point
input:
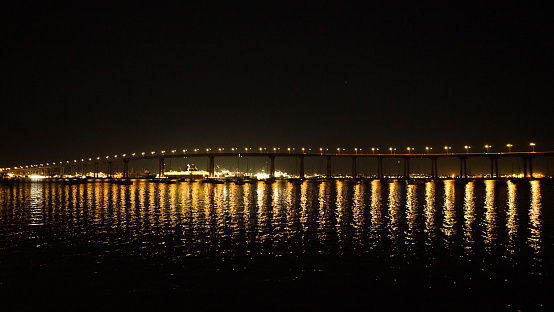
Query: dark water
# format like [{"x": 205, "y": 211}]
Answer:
[{"x": 442, "y": 245}]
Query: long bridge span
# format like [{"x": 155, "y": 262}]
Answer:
[{"x": 433, "y": 158}]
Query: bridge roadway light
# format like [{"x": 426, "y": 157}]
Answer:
[
  {"x": 487, "y": 147},
  {"x": 532, "y": 146},
  {"x": 509, "y": 147},
  {"x": 356, "y": 150},
  {"x": 467, "y": 147},
  {"x": 409, "y": 150},
  {"x": 134, "y": 154}
]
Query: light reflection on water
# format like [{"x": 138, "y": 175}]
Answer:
[{"x": 170, "y": 222}]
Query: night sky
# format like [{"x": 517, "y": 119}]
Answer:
[{"x": 91, "y": 79}]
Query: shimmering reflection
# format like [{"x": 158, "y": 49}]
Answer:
[
  {"x": 377, "y": 220},
  {"x": 412, "y": 215},
  {"x": 535, "y": 225},
  {"x": 36, "y": 207},
  {"x": 433, "y": 233},
  {"x": 490, "y": 234},
  {"x": 469, "y": 215},
  {"x": 360, "y": 215},
  {"x": 395, "y": 215},
  {"x": 512, "y": 219},
  {"x": 449, "y": 212},
  {"x": 430, "y": 210}
]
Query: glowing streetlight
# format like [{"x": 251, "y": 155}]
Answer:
[
  {"x": 447, "y": 149},
  {"x": 509, "y": 146},
  {"x": 338, "y": 150},
  {"x": 488, "y": 147},
  {"x": 356, "y": 150},
  {"x": 467, "y": 147},
  {"x": 410, "y": 149},
  {"x": 428, "y": 149},
  {"x": 303, "y": 149},
  {"x": 288, "y": 149},
  {"x": 532, "y": 146}
]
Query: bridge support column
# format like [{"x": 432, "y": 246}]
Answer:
[
  {"x": 272, "y": 166},
  {"x": 434, "y": 168},
  {"x": 354, "y": 169},
  {"x": 96, "y": 170},
  {"x": 524, "y": 167},
  {"x": 530, "y": 167},
  {"x": 463, "y": 167},
  {"x": 494, "y": 167},
  {"x": 380, "y": 167},
  {"x": 125, "y": 169},
  {"x": 211, "y": 169},
  {"x": 84, "y": 170},
  {"x": 109, "y": 169},
  {"x": 161, "y": 169},
  {"x": 406, "y": 167},
  {"x": 329, "y": 171},
  {"x": 301, "y": 166}
]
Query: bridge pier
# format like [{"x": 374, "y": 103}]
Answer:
[
  {"x": 463, "y": 167},
  {"x": 109, "y": 169},
  {"x": 380, "y": 167},
  {"x": 406, "y": 167},
  {"x": 301, "y": 166},
  {"x": 125, "y": 169},
  {"x": 272, "y": 166},
  {"x": 211, "y": 166},
  {"x": 525, "y": 160},
  {"x": 434, "y": 170},
  {"x": 96, "y": 170},
  {"x": 329, "y": 171},
  {"x": 354, "y": 169},
  {"x": 494, "y": 167},
  {"x": 161, "y": 167}
]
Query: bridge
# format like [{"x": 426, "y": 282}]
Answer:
[{"x": 527, "y": 157}]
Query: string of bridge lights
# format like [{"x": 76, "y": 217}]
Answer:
[{"x": 374, "y": 150}]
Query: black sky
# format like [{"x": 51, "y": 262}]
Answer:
[{"x": 91, "y": 79}]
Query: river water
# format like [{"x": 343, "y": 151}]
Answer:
[{"x": 444, "y": 245}]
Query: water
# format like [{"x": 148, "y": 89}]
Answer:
[{"x": 483, "y": 245}]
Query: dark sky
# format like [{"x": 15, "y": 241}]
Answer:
[{"x": 91, "y": 79}]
